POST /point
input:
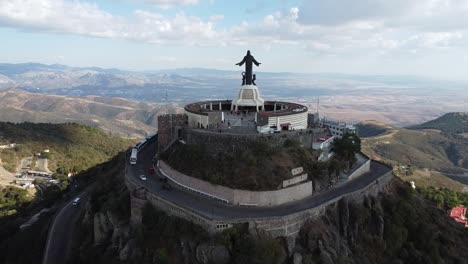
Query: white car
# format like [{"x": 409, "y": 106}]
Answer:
[
  {"x": 143, "y": 177},
  {"x": 76, "y": 201}
]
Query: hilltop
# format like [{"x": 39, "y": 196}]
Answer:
[
  {"x": 428, "y": 152},
  {"x": 115, "y": 115},
  {"x": 372, "y": 128},
  {"x": 73, "y": 147},
  {"x": 391, "y": 228},
  {"x": 454, "y": 123}
]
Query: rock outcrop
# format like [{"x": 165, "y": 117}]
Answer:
[{"x": 212, "y": 253}]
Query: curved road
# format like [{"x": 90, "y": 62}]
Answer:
[
  {"x": 60, "y": 234},
  {"x": 219, "y": 211}
]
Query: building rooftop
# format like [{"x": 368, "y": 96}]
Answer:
[{"x": 459, "y": 214}]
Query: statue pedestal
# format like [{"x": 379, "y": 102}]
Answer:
[{"x": 248, "y": 96}]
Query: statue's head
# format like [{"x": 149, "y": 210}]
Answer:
[{"x": 248, "y": 52}]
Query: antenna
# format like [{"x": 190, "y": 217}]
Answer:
[
  {"x": 167, "y": 107},
  {"x": 318, "y": 103}
]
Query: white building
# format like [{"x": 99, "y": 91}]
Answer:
[{"x": 338, "y": 129}]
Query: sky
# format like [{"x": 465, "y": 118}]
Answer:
[{"x": 397, "y": 37}]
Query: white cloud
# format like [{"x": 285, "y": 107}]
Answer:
[
  {"x": 84, "y": 18},
  {"x": 329, "y": 27},
  {"x": 431, "y": 15},
  {"x": 165, "y": 4},
  {"x": 59, "y": 16}
]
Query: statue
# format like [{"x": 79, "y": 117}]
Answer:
[{"x": 248, "y": 60}]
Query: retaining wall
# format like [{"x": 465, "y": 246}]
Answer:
[
  {"x": 278, "y": 226},
  {"x": 361, "y": 170},
  {"x": 235, "y": 196},
  {"x": 220, "y": 142}
]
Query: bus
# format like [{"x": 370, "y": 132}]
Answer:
[
  {"x": 141, "y": 144},
  {"x": 133, "y": 156},
  {"x": 152, "y": 136}
]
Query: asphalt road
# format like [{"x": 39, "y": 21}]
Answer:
[
  {"x": 219, "y": 211},
  {"x": 60, "y": 234}
]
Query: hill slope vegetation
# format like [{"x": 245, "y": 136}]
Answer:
[
  {"x": 424, "y": 155},
  {"x": 72, "y": 147},
  {"x": 454, "y": 123}
]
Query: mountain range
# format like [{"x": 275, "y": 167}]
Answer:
[
  {"x": 118, "y": 116},
  {"x": 395, "y": 100}
]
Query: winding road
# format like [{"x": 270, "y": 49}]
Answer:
[
  {"x": 60, "y": 234},
  {"x": 220, "y": 211}
]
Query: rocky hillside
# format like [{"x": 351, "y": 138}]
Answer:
[
  {"x": 399, "y": 226},
  {"x": 116, "y": 115}
]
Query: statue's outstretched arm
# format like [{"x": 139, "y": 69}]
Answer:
[
  {"x": 241, "y": 63},
  {"x": 256, "y": 62}
]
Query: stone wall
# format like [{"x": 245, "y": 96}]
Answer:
[
  {"x": 278, "y": 226},
  {"x": 362, "y": 169},
  {"x": 221, "y": 142},
  {"x": 271, "y": 198},
  {"x": 290, "y": 225},
  {"x": 235, "y": 196},
  {"x": 169, "y": 127}
]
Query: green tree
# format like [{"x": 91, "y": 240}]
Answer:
[{"x": 347, "y": 146}]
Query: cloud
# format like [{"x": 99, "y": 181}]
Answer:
[
  {"x": 157, "y": 28},
  {"x": 59, "y": 16},
  {"x": 325, "y": 27},
  {"x": 83, "y": 18},
  {"x": 430, "y": 15},
  {"x": 165, "y": 4}
]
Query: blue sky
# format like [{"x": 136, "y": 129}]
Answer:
[{"x": 418, "y": 37}]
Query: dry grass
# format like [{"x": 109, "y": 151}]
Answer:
[{"x": 425, "y": 178}]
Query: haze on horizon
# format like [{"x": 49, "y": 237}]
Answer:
[{"x": 419, "y": 37}]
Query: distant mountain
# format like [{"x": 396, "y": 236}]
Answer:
[
  {"x": 390, "y": 99},
  {"x": 115, "y": 115},
  {"x": 56, "y": 76},
  {"x": 372, "y": 129},
  {"x": 451, "y": 123}
]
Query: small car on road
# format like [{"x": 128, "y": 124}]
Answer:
[
  {"x": 167, "y": 187},
  {"x": 143, "y": 177},
  {"x": 76, "y": 201}
]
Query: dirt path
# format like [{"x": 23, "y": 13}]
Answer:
[{"x": 6, "y": 177}]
